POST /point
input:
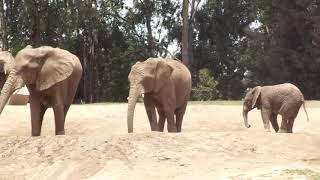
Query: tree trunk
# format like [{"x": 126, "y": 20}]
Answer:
[
  {"x": 3, "y": 27},
  {"x": 148, "y": 15},
  {"x": 33, "y": 9},
  {"x": 85, "y": 75},
  {"x": 185, "y": 33},
  {"x": 190, "y": 31}
]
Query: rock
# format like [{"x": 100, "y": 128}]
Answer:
[{"x": 19, "y": 97}]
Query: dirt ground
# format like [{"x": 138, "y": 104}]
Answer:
[{"x": 214, "y": 144}]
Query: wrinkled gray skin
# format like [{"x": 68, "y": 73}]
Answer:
[
  {"x": 52, "y": 76},
  {"x": 284, "y": 99},
  {"x": 166, "y": 85}
]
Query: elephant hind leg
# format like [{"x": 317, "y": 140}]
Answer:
[
  {"x": 274, "y": 121},
  {"x": 179, "y": 117},
  {"x": 284, "y": 125},
  {"x": 290, "y": 124},
  {"x": 290, "y": 121}
]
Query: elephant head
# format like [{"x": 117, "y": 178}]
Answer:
[
  {"x": 148, "y": 76},
  {"x": 250, "y": 101},
  {"x": 38, "y": 67}
]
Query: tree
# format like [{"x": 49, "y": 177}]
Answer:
[
  {"x": 3, "y": 27},
  {"x": 187, "y": 30},
  {"x": 221, "y": 44},
  {"x": 287, "y": 45},
  {"x": 185, "y": 33}
]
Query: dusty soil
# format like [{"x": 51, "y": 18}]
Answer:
[{"x": 214, "y": 145}]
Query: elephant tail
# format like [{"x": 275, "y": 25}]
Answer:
[{"x": 304, "y": 107}]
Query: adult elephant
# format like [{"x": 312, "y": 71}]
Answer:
[
  {"x": 166, "y": 85},
  {"x": 284, "y": 99},
  {"x": 52, "y": 76},
  {"x": 6, "y": 64},
  {"x": 20, "y": 97}
]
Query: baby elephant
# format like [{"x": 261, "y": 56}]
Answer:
[{"x": 284, "y": 99}]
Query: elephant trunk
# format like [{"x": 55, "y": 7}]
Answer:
[
  {"x": 132, "y": 101},
  {"x": 245, "y": 117},
  {"x": 7, "y": 90}
]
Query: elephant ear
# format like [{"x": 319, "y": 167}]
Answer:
[
  {"x": 56, "y": 68},
  {"x": 256, "y": 93},
  {"x": 163, "y": 73}
]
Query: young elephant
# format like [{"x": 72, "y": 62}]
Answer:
[
  {"x": 166, "y": 85},
  {"x": 284, "y": 99}
]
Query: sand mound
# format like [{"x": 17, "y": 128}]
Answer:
[{"x": 214, "y": 145}]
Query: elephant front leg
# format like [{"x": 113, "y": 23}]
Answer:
[
  {"x": 171, "y": 125},
  {"x": 162, "y": 119},
  {"x": 179, "y": 117},
  {"x": 151, "y": 112},
  {"x": 59, "y": 117},
  {"x": 265, "y": 113},
  {"x": 37, "y": 112}
]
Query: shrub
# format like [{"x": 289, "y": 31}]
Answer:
[{"x": 206, "y": 88}]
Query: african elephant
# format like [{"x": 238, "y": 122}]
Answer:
[
  {"x": 52, "y": 76},
  {"x": 166, "y": 85},
  {"x": 284, "y": 99},
  {"x": 6, "y": 65},
  {"x": 6, "y": 62}
]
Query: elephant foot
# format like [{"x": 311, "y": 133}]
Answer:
[
  {"x": 172, "y": 130},
  {"x": 282, "y": 131},
  {"x": 267, "y": 130},
  {"x": 37, "y": 133},
  {"x": 155, "y": 128},
  {"x": 60, "y": 133}
]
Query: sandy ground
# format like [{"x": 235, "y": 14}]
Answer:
[{"x": 214, "y": 145}]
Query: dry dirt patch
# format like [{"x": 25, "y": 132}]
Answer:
[{"x": 214, "y": 144}]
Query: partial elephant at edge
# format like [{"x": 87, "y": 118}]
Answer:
[
  {"x": 20, "y": 96},
  {"x": 51, "y": 75}
]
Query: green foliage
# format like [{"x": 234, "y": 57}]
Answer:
[
  {"x": 109, "y": 36},
  {"x": 206, "y": 88},
  {"x": 221, "y": 43},
  {"x": 285, "y": 47}
]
